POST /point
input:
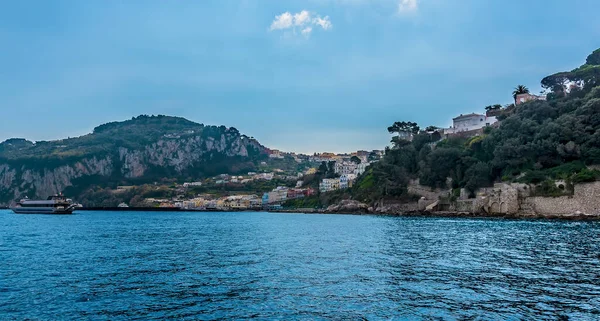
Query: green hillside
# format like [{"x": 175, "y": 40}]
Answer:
[
  {"x": 141, "y": 150},
  {"x": 536, "y": 142}
]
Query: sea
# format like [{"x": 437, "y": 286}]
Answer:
[{"x": 280, "y": 266}]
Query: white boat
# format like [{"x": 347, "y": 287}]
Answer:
[
  {"x": 56, "y": 204},
  {"x": 123, "y": 205}
]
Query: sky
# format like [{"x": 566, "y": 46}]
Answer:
[{"x": 298, "y": 75}]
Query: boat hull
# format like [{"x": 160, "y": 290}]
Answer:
[{"x": 41, "y": 210}]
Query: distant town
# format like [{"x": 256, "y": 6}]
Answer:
[{"x": 346, "y": 167}]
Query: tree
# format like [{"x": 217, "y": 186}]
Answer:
[
  {"x": 520, "y": 89},
  {"x": 322, "y": 171},
  {"x": 587, "y": 75},
  {"x": 399, "y": 141},
  {"x": 331, "y": 169},
  {"x": 557, "y": 83},
  {"x": 493, "y": 107},
  {"x": 404, "y": 127},
  {"x": 355, "y": 159},
  {"x": 234, "y": 131},
  {"x": 594, "y": 58},
  {"x": 478, "y": 175},
  {"x": 405, "y": 130},
  {"x": 372, "y": 156}
]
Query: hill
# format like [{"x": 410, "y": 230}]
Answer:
[
  {"x": 536, "y": 142},
  {"x": 141, "y": 150}
]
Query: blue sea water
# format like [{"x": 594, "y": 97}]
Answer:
[{"x": 265, "y": 266}]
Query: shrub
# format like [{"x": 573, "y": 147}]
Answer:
[{"x": 586, "y": 175}]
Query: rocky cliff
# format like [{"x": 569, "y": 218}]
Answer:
[{"x": 144, "y": 148}]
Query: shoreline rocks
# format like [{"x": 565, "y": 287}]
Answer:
[
  {"x": 348, "y": 206},
  {"x": 353, "y": 207}
]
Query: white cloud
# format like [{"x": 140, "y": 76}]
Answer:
[
  {"x": 306, "y": 31},
  {"x": 325, "y": 23},
  {"x": 303, "y": 21},
  {"x": 406, "y": 6},
  {"x": 282, "y": 21},
  {"x": 301, "y": 18}
]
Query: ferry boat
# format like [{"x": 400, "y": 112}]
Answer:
[{"x": 56, "y": 204}]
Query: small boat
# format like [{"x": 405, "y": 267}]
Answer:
[
  {"x": 56, "y": 204},
  {"x": 123, "y": 205}
]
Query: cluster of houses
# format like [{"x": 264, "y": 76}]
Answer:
[
  {"x": 271, "y": 199},
  {"x": 363, "y": 155},
  {"x": 347, "y": 171},
  {"x": 281, "y": 194},
  {"x": 252, "y": 176}
]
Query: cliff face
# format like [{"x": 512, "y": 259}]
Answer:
[
  {"x": 16, "y": 181},
  {"x": 191, "y": 153},
  {"x": 182, "y": 154}
]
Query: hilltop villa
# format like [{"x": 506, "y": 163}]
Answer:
[{"x": 470, "y": 122}]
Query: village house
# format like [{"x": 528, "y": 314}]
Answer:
[
  {"x": 470, "y": 122},
  {"x": 346, "y": 180},
  {"x": 277, "y": 195},
  {"x": 406, "y": 135},
  {"x": 344, "y": 168},
  {"x": 329, "y": 184},
  {"x": 264, "y": 176},
  {"x": 274, "y": 153},
  {"x": 523, "y": 98},
  {"x": 361, "y": 168},
  {"x": 192, "y": 184}
]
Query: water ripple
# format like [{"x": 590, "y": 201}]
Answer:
[{"x": 223, "y": 266}]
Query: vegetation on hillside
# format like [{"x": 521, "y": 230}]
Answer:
[
  {"x": 136, "y": 133},
  {"x": 536, "y": 141}
]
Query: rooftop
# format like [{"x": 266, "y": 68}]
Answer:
[{"x": 468, "y": 116}]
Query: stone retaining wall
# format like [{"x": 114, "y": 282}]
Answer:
[
  {"x": 586, "y": 199},
  {"x": 425, "y": 191}
]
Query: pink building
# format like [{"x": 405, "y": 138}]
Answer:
[{"x": 523, "y": 98}]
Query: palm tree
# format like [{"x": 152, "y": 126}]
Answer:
[{"x": 520, "y": 89}]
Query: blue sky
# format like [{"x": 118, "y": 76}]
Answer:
[{"x": 299, "y": 75}]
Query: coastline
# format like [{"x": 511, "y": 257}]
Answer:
[
  {"x": 440, "y": 214},
  {"x": 451, "y": 214},
  {"x": 146, "y": 209}
]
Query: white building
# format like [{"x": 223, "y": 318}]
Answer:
[
  {"x": 464, "y": 123},
  {"x": 277, "y": 195},
  {"x": 276, "y": 154},
  {"x": 346, "y": 180},
  {"x": 344, "y": 168},
  {"x": 361, "y": 168},
  {"x": 406, "y": 135},
  {"x": 329, "y": 184},
  {"x": 192, "y": 184},
  {"x": 264, "y": 176}
]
